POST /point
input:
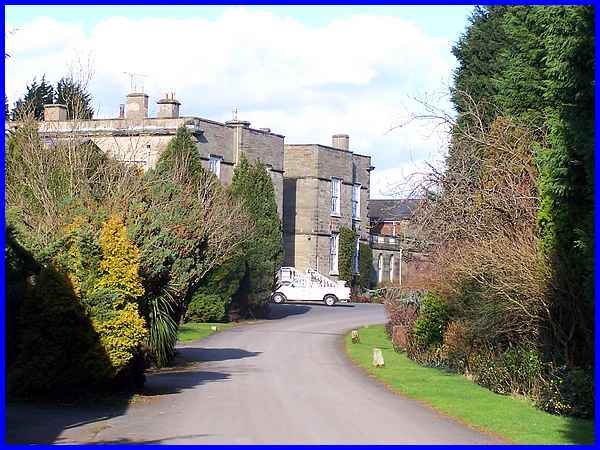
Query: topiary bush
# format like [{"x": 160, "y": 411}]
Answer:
[
  {"x": 430, "y": 325},
  {"x": 206, "y": 308}
]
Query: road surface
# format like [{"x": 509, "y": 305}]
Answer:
[{"x": 279, "y": 381}]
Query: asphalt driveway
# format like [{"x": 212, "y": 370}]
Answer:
[{"x": 279, "y": 381}]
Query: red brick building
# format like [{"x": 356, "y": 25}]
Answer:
[{"x": 398, "y": 256}]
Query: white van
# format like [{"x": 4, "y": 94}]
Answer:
[{"x": 308, "y": 286}]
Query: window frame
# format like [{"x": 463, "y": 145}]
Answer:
[
  {"x": 335, "y": 209},
  {"x": 356, "y": 259},
  {"x": 218, "y": 159},
  {"x": 356, "y": 187},
  {"x": 334, "y": 243}
]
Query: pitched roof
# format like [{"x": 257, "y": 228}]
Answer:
[{"x": 392, "y": 209}]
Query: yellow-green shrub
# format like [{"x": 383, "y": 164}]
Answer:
[
  {"x": 121, "y": 335},
  {"x": 81, "y": 255},
  {"x": 100, "y": 267},
  {"x": 119, "y": 266}
]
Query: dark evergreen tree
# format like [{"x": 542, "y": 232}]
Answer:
[
  {"x": 75, "y": 97},
  {"x": 554, "y": 53},
  {"x": 163, "y": 225},
  {"x": 536, "y": 64},
  {"x": 478, "y": 54},
  {"x": 263, "y": 254},
  {"x": 37, "y": 95}
]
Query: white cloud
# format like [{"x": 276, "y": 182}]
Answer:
[
  {"x": 405, "y": 180},
  {"x": 353, "y": 75}
]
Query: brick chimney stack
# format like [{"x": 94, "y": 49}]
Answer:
[
  {"x": 341, "y": 141},
  {"x": 137, "y": 106},
  {"x": 55, "y": 112}
]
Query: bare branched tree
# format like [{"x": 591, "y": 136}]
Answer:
[{"x": 480, "y": 214}]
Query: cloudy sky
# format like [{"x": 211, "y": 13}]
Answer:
[{"x": 304, "y": 72}]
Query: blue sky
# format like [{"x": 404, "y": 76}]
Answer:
[
  {"x": 440, "y": 21},
  {"x": 305, "y": 72}
]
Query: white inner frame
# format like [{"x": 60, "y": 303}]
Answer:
[
  {"x": 356, "y": 201},
  {"x": 336, "y": 195},
  {"x": 334, "y": 242},
  {"x": 214, "y": 164}
]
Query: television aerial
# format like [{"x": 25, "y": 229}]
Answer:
[{"x": 136, "y": 81}]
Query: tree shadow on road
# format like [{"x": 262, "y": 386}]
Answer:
[
  {"x": 176, "y": 381},
  {"x": 163, "y": 440},
  {"x": 34, "y": 423},
  {"x": 281, "y": 311},
  {"x": 197, "y": 354}
]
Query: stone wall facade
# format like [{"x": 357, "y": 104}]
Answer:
[
  {"x": 302, "y": 175},
  {"x": 141, "y": 140},
  {"x": 308, "y": 220}
]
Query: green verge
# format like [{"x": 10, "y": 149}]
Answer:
[
  {"x": 515, "y": 420},
  {"x": 195, "y": 331}
]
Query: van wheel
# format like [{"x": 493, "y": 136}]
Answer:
[
  {"x": 278, "y": 298},
  {"x": 330, "y": 299}
]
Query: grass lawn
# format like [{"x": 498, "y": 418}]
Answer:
[
  {"x": 194, "y": 331},
  {"x": 514, "y": 419}
]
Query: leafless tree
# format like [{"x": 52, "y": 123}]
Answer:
[{"x": 480, "y": 214}]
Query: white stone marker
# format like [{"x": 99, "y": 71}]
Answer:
[
  {"x": 378, "y": 358},
  {"x": 213, "y": 328},
  {"x": 355, "y": 337}
]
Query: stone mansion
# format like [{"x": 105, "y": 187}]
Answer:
[{"x": 319, "y": 188}]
